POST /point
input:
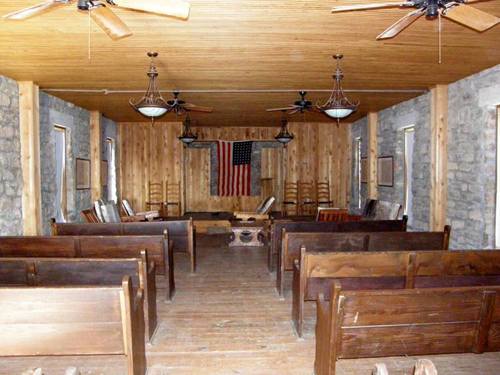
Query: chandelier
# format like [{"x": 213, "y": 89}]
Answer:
[
  {"x": 187, "y": 137},
  {"x": 152, "y": 103},
  {"x": 284, "y": 136},
  {"x": 338, "y": 106}
]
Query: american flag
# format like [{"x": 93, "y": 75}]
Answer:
[{"x": 235, "y": 159}]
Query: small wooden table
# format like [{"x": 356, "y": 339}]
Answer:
[{"x": 247, "y": 233}]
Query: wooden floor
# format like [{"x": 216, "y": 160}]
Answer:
[{"x": 227, "y": 319}]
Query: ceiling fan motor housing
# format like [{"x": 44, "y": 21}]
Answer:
[{"x": 432, "y": 9}]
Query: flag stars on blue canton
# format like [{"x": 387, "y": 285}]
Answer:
[{"x": 242, "y": 153}]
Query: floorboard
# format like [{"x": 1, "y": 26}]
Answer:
[{"x": 227, "y": 319}]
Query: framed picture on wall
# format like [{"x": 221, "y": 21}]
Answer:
[
  {"x": 385, "y": 171},
  {"x": 364, "y": 170},
  {"x": 82, "y": 174},
  {"x": 104, "y": 173}
]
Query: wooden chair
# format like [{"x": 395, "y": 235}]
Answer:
[
  {"x": 155, "y": 196},
  {"x": 307, "y": 198},
  {"x": 290, "y": 204},
  {"x": 335, "y": 214},
  {"x": 173, "y": 195},
  {"x": 323, "y": 194}
]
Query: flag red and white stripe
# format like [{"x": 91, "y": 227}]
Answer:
[{"x": 234, "y": 177}]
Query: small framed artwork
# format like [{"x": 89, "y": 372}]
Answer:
[
  {"x": 82, "y": 174},
  {"x": 364, "y": 170},
  {"x": 104, "y": 173},
  {"x": 385, "y": 171}
]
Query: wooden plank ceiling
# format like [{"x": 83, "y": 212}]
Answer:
[{"x": 242, "y": 44}]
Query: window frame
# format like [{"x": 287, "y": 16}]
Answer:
[
  {"x": 406, "y": 130},
  {"x": 64, "y": 187}
]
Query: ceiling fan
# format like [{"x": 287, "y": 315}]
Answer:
[
  {"x": 103, "y": 16},
  {"x": 301, "y": 105},
  {"x": 455, "y": 10},
  {"x": 180, "y": 107}
]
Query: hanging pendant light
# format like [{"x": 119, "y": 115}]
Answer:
[
  {"x": 284, "y": 136},
  {"x": 187, "y": 137},
  {"x": 152, "y": 103},
  {"x": 338, "y": 106}
]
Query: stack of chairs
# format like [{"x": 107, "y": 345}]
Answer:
[{"x": 302, "y": 198}]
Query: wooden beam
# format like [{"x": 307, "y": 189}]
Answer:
[
  {"x": 372, "y": 155},
  {"x": 29, "y": 125},
  {"x": 439, "y": 157},
  {"x": 95, "y": 155}
]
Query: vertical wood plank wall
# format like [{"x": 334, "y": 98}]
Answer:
[
  {"x": 148, "y": 153},
  {"x": 319, "y": 152}
]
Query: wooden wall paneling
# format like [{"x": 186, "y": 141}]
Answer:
[
  {"x": 439, "y": 156},
  {"x": 29, "y": 124},
  {"x": 372, "y": 154},
  {"x": 319, "y": 151},
  {"x": 95, "y": 156}
]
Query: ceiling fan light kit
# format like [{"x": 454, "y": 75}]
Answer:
[
  {"x": 338, "y": 106},
  {"x": 152, "y": 104}
]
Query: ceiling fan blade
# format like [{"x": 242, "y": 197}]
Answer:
[
  {"x": 172, "y": 8},
  {"x": 197, "y": 108},
  {"x": 349, "y": 8},
  {"x": 109, "y": 22},
  {"x": 34, "y": 10},
  {"x": 401, "y": 24},
  {"x": 281, "y": 109},
  {"x": 471, "y": 17}
]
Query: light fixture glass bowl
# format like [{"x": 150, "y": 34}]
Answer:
[
  {"x": 338, "y": 112},
  {"x": 152, "y": 111}
]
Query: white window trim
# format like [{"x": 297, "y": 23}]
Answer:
[{"x": 406, "y": 130}]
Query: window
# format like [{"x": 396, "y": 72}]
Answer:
[
  {"x": 61, "y": 202},
  {"x": 357, "y": 171},
  {"x": 409, "y": 135},
  {"x": 111, "y": 157}
]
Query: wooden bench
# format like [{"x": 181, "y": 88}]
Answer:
[
  {"x": 158, "y": 248},
  {"x": 317, "y": 272},
  {"x": 181, "y": 232},
  {"x": 386, "y": 323},
  {"x": 90, "y": 272},
  {"x": 279, "y": 226},
  {"x": 355, "y": 241},
  {"x": 69, "y": 321}
]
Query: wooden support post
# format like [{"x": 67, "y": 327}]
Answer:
[
  {"x": 439, "y": 157},
  {"x": 372, "y": 155},
  {"x": 29, "y": 125},
  {"x": 95, "y": 155}
]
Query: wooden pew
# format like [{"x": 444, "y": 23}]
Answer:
[
  {"x": 279, "y": 226},
  {"x": 317, "y": 272},
  {"x": 90, "y": 272},
  {"x": 181, "y": 232},
  {"x": 99, "y": 320},
  {"x": 158, "y": 248},
  {"x": 357, "y": 241},
  {"x": 386, "y": 323}
]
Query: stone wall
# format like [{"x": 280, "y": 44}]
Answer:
[
  {"x": 472, "y": 148},
  {"x": 359, "y": 129},
  {"x": 390, "y": 142},
  {"x": 55, "y": 111},
  {"x": 11, "y": 178}
]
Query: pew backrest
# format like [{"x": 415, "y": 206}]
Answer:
[
  {"x": 354, "y": 241},
  {"x": 385, "y": 323},
  {"x": 181, "y": 232},
  {"x": 279, "y": 227},
  {"x": 48, "y": 272},
  {"x": 98, "y": 320}
]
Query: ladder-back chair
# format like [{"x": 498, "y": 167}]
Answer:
[
  {"x": 307, "y": 198},
  {"x": 323, "y": 194},
  {"x": 155, "y": 196},
  {"x": 290, "y": 204},
  {"x": 173, "y": 197}
]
